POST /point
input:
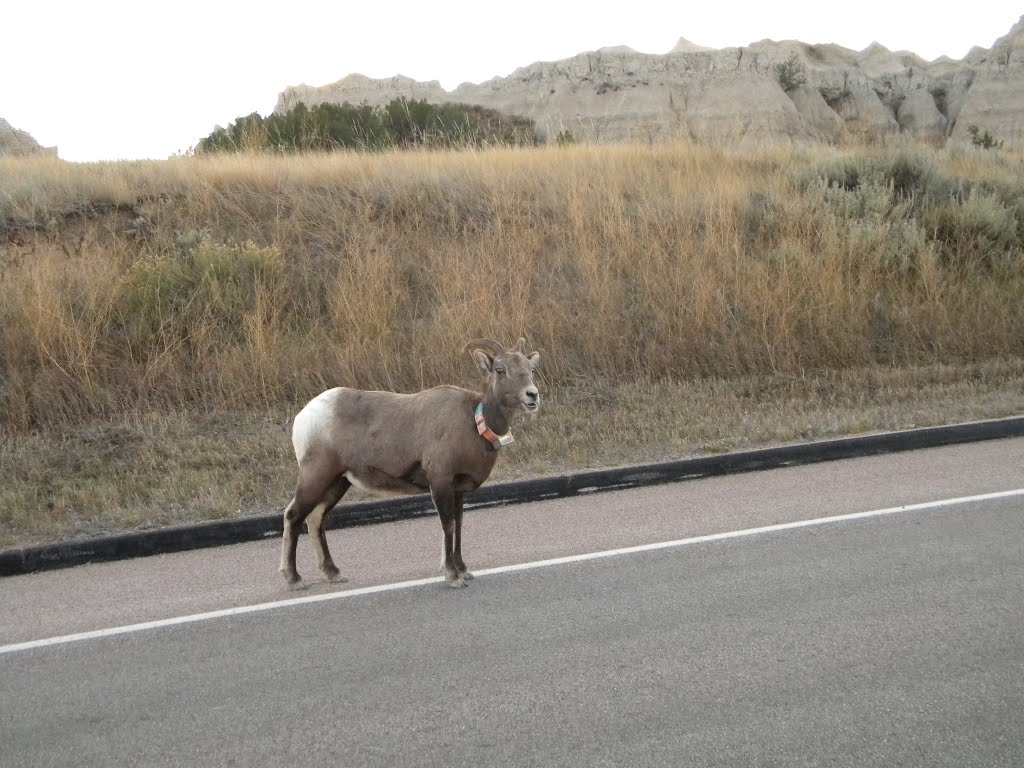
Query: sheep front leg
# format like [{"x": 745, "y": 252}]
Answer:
[
  {"x": 444, "y": 502},
  {"x": 315, "y": 525},
  {"x": 460, "y": 566}
]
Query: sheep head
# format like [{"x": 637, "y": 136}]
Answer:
[{"x": 508, "y": 372}]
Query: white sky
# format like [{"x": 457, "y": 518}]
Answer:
[{"x": 109, "y": 79}]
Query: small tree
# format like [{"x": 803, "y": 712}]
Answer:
[
  {"x": 791, "y": 73},
  {"x": 984, "y": 140}
]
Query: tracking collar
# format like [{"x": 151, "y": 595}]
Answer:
[{"x": 496, "y": 441}]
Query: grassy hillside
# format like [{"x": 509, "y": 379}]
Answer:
[{"x": 150, "y": 304}]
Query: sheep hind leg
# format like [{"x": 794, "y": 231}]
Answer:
[
  {"x": 293, "y": 518},
  {"x": 314, "y": 523},
  {"x": 307, "y": 498}
]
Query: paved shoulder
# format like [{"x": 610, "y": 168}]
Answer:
[{"x": 106, "y": 595}]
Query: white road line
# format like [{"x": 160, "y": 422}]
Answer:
[{"x": 127, "y": 629}]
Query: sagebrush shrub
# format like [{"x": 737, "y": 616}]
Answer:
[
  {"x": 979, "y": 231},
  {"x": 167, "y": 298}
]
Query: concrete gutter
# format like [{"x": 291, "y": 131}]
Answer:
[{"x": 176, "y": 539}]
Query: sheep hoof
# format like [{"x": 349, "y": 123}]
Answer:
[
  {"x": 457, "y": 582},
  {"x": 293, "y": 580},
  {"x": 466, "y": 575},
  {"x": 336, "y": 578}
]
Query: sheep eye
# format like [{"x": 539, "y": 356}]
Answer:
[{"x": 500, "y": 371}]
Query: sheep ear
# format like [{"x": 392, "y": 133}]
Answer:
[
  {"x": 534, "y": 358},
  {"x": 483, "y": 360}
]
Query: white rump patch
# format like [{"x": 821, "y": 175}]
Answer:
[{"x": 311, "y": 420}]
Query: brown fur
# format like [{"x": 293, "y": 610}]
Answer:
[{"x": 403, "y": 443}]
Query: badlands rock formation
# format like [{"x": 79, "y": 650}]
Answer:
[
  {"x": 735, "y": 94},
  {"x": 15, "y": 142}
]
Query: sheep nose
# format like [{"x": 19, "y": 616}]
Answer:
[{"x": 532, "y": 395}]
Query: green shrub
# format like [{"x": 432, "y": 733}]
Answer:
[{"x": 400, "y": 123}]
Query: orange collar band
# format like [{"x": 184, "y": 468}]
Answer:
[{"x": 496, "y": 441}]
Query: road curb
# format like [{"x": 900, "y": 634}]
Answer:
[{"x": 179, "y": 538}]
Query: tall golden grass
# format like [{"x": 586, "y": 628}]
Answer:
[{"x": 254, "y": 281}]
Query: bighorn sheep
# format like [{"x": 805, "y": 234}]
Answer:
[{"x": 444, "y": 440}]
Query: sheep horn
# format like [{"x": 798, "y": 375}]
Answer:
[
  {"x": 489, "y": 345},
  {"x": 521, "y": 346}
]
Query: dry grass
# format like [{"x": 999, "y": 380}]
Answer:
[
  {"x": 159, "y": 469},
  {"x": 252, "y": 282},
  {"x": 665, "y": 278}
]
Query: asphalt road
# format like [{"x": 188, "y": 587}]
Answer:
[{"x": 884, "y": 640}]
